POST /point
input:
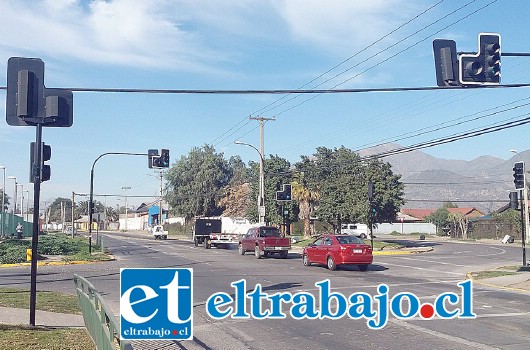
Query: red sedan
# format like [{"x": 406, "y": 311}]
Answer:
[{"x": 334, "y": 250}]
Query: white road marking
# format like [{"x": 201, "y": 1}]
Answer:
[
  {"x": 424, "y": 269},
  {"x": 431, "y": 261}
]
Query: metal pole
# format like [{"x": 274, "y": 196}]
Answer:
[
  {"x": 523, "y": 228},
  {"x": 21, "y": 201},
  {"x": 35, "y": 237},
  {"x": 126, "y": 213},
  {"x": 160, "y": 207},
  {"x": 525, "y": 206},
  {"x": 91, "y": 200},
  {"x": 3, "y": 198}
]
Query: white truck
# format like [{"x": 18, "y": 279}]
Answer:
[
  {"x": 208, "y": 232},
  {"x": 158, "y": 232},
  {"x": 359, "y": 230}
]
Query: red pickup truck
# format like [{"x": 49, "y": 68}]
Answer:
[{"x": 264, "y": 241}]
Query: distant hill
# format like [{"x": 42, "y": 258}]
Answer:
[{"x": 429, "y": 181}]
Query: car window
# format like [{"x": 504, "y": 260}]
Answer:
[
  {"x": 318, "y": 242},
  {"x": 349, "y": 240},
  {"x": 269, "y": 232},
  {"x": 328, "y": 241}
]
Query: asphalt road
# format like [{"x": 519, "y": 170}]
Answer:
[{"x": 503, "y": 320}]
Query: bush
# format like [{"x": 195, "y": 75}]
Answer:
[
  {"x": 12, "y": 252},
  {"x": 58, "y": 244}
]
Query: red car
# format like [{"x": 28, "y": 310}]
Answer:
[{"x": 334, "y": 250}]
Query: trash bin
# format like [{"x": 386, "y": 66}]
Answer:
[{"x": 28, "y": 254}]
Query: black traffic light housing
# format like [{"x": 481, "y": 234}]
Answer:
[
  {"x": 29, "y": 102},
  {"x": 285, "y": 194},
  {"x": 514, "y": 200},
  {"x": 446, "y": 62},
  {"x": 45, "y": 169},
  {"x": 518, "y": 175},
  {"x": 164, "y": 158},
  {"x": 156, "y": 161},
  {"x": 151, "y": 154},
  {"x": 484, "y": 67}
]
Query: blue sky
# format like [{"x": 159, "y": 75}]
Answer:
[{"x": 240, "y": 45}]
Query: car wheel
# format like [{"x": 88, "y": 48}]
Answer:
[
  {"x": 284, "y": 254},
  {"x": 363, "y": 267},
  {"x": 257, "y": 252},
  {"x": 164, "y": 237},
  {"x": 305, "y": 260},
  {"x": 363, "y": 236},
  {"x": 331, "y": 264},
  {"x": 241, "y": 250},
  {"x": 196, "y": 242}
]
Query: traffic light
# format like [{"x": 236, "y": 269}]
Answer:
[
  {"x": 164, "y": 158},
  {"x": 45, "y": 170},
  {"x": 518, "y": 176},
  {"x": 514, "y": 200},
  {"x": 285, "y": 194},
  {"x": 484, "y": 67},
  {"x": 446, "y": 62},
  {"x": 151, "y": 154},
  {"x": 59, "y": 108},
  {"x": 25, "y": 90}
]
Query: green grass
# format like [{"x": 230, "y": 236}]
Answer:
[
  {"x": 46, "y": 301},
  {"x": 13, "y": 251},
  {"x": 490, "y": 274},
  {"x": 39, "y": 338}
]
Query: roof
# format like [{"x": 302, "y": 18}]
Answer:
[{"x": 407, "y": 213}]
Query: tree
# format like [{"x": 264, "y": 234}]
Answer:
[
  {"x": 341, "y": 179},
  {"x": 236, "y": 195},
  {"x": 461, "y": 222},
  {"x": 307, "y": 199},
  {"x": 277, "y": 173},
  {"x": 195, "y": 183},
  {"x": 440, "y": 219}
]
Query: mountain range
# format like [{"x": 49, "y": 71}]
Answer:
[{"x": 483, "y": 183}]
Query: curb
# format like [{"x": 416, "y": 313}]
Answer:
[{"x": 469, "y": 276}]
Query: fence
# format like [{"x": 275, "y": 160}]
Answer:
[
  {"x": 10, "y": 223},
  {"x": 99, "y": 319}
]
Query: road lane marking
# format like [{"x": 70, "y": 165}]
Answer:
[
  {"x": 462, "y": 341},
  {"x": 431, "y": 261},
  {"x": 429, "y": 270}
]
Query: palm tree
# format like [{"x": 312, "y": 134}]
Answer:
[{"x": 306, "y": 198}]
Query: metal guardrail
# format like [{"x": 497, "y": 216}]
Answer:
[{"x": 100, "y": 322}]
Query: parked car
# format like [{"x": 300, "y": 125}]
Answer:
[
  {"x": 334, "y": 250},
  {"x": 264, "y": 240}
]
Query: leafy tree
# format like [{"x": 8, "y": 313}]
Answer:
[
  {"x": 509, "y": 217},
  {"x": 461, "y": 222},
  {"x": 277, "y": 172},
  {"x": 341, "y": 179},
  {"x": 236, "y": 198},
  {"x": 195, "y": 183},
  {"x": 440, "y": 218}
]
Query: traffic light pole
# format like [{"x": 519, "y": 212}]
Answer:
[
  {"x": 36, "y": 169},
  {"x": 523, "y": 224},
  {"x": 91, "y": 200}
]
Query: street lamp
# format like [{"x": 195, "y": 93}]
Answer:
[
  {"x": 261, "y": 195},
  {"x": 21, "y": 200},
  {"x": 126, "y": 214},
  {"x": 15, "y": 194},
  {"x": 27, "y": 203},
  {"x": 3, "y": 197},
  {"x": 525, "y": 199}
]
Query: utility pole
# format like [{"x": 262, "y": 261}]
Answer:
[
  {"x": 261, "y": 199},
  {"x": 72, "y": 219},
  {"x": 126, "y": 213},
  {"x": 160, "y": 204}
]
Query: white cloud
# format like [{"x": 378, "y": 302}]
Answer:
[{"x": 342, "y": 25}]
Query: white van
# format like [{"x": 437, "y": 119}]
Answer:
[{"x": 359, "y": 230}]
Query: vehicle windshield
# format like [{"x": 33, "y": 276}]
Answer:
[
  {"x": 269, "y": 232},
  {"x": 349, "y": 240}
]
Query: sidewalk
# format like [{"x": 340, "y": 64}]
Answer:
[{"x": 14, "y": 316}]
